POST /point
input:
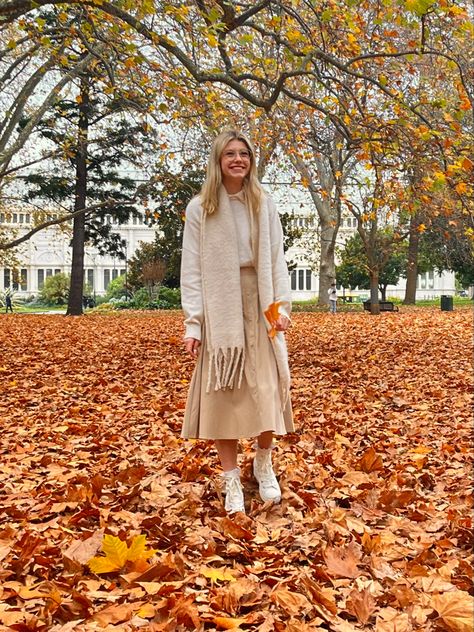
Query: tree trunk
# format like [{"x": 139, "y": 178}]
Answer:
[
  {"x": 327, "y": 266},
  {"x": 74, "y": 307},
  {"x": 374, "y": 292},
  {"x": 412, "y": 263}
]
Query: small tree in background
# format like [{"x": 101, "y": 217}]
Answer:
[
  {"x": 55, "y": 290},
  {"x": 354, "y": 268},
  {"x": 153, "y": 273},
  {"x": 172, "y": 193},
  {"x": 116, "y": 288}
]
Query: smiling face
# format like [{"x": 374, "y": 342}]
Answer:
[{"x": 235, "y": 164}]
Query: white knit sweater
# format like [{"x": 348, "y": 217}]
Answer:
[{"x": 191, "y": 282}]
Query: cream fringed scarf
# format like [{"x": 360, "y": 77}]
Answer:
[{"x": 223, "y": 316}]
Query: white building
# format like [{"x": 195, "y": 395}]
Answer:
[
  {"x": 48, "y": 253},
  {"x": 304, "y": 278}
]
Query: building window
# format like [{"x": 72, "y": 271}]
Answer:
[
  {"x": 308, "y": 279},
  {"x": 49, "y": 272},
  {"x": 6, "y": 278},
  {"x": 57, "y": 271},
  {"x": 301, "y": 279},
  {"x": 106, "y": 278},
  {"x": 431, "y": 279},
  {"x": 122, "y": 271},
  {"x": 40, "y": 279},
  {"x": 293, "y": 279},
  {"x": 24, "y": 279},
  {"x": 90, "y": 278}
]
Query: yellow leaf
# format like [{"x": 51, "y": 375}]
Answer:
[
  {"x": 138, "y": 549},
  {"x": 102, "y": 564},
  {"x": 147, "y": 611},
  {"x": 115, "y": 549},
  {"x": 117, "y": 554},
  {"x": 222, "y": 574}
]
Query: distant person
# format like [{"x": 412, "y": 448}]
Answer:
[
  {"x": 332, "y": 298},
  {"x": 233, "y": 270},
  {"x": 8, "y": 304}
]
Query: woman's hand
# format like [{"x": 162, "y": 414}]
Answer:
[
  {"x": 282, "y": 323},
  {"x": 192, "y": 346}
]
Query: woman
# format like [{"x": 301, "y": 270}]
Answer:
[{"x": 233, "y": 269}]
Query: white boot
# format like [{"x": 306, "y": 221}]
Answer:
[
  {"x": 263, "y": 472},
  {"x": 234, "y": 495}
]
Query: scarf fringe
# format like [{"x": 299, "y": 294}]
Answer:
[{"x": 226, "y": 364}]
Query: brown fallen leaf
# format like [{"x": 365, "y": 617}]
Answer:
[
  {"x": 116, "y": 613},
  {"x": 81, "y": 551},
  {"x": 455, "y": 609},
  {"x": 370, "y": 461},
  {"x": 230, "y": 527},
  {"x": 292, "y": 602},
  {"x": 343, "y": 561},
  {"x": 361, "y": 604}
]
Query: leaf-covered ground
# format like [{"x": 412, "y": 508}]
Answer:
[{"x": 374, "y": 530}]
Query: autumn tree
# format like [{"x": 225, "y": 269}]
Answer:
[
  {"x": 354, "y": 270},
  {"x": 354, "y": 64},
  {"x": 448, "y": 244}
]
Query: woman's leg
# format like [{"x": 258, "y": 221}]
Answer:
[
  {"x": 227, "y": 451},
  {"x": 265, "y": 440}
]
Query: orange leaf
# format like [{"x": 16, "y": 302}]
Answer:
[
  {"x": 227, "y": 623},
  {"x": 370, "y": 461},
  {"x": 467, "y": 164},
  {"x": 272, "y": 314}
]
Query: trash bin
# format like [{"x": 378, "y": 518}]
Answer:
[{"x": 446, "y": 303}]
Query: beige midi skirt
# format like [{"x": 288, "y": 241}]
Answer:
[{"x": 256, "y": 406}]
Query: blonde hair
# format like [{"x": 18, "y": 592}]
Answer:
[{"x": 210, "y": 189}]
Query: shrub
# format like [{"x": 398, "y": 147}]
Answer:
[{"x": 55, "y": 290}]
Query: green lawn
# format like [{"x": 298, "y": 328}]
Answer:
[{"x": 311, "y": 305}]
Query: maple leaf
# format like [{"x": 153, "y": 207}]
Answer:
[
  {"x": 117, "y": 554},
  {"x": 292, "y": 602},
  {"x": 218, "y": 574},
  {"x": 272, "y": 314},
  {"x": 227, "y": 623},
  {"x": 342, "y": 561},
  {"x": 361, "y": 604},
  {"x": 370, "y": 461},
  {"x": 455, "y": 609}
]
